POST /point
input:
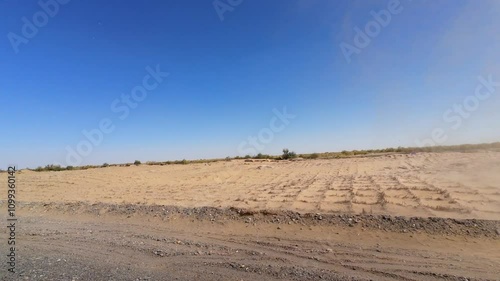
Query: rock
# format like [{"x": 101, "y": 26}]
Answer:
[{"x": 159, "y": 253}]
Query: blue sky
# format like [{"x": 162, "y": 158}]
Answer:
[{"x": 226, "y": 77}]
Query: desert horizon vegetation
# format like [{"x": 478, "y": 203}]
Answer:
[{"x": 289, "y": 155}]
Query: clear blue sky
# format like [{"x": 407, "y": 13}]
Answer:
[{"x": 226, "y": 77}]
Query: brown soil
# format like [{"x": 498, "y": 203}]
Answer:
[
  {"x": 136, "y": 242},
  {"x": 422, "y": 216},
  {"x": 455, "y": 185}
]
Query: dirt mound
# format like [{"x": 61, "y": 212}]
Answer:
[{"x": 430, "y": 225}]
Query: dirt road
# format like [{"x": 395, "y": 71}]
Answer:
[{"x": 83, "y": 242}]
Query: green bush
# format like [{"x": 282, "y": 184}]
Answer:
[
  {"x": 287, "y": 154},
  {"x": 137, "y": 162},
  {"x": 53, "y": 168},
  {"x": 262, "y": 156}
]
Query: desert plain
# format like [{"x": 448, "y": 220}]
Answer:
[
  {"x": 412, "y": 216},
  {"x": 456, "y": 185}
]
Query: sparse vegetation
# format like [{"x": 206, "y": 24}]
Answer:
[
  {"x": 262, "y": 156},
  {"x": 50, "y": 168},
  {"x": 287, "y": 154},
  {"x": 406, "y": 150},
  {"x": 381, "y": 199},
  {"x": 309, "y": 156},
  {"x": 290, "y": 155},
  {"x": 57, "y": 168}
]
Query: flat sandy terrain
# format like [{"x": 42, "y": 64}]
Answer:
[
  {"x": 457, "y": 185},
  {"x": 424, "y": 216}
]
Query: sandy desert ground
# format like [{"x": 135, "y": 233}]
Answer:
[
  {"x": 423, "y": 216},
  {"x": 457, "y": 185}
]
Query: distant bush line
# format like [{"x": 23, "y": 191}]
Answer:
[{"x": 290, "y": 155}]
